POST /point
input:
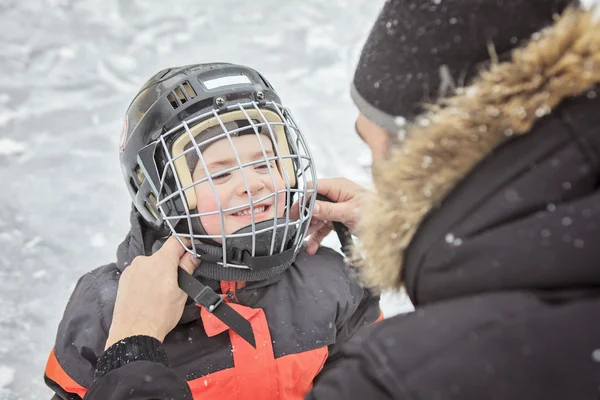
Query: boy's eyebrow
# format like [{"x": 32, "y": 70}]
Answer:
[{"x": 233, "y": 161}]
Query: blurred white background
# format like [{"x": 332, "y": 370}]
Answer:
[{"x": 68, "y": 70}]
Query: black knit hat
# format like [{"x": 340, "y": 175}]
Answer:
[{"x": 419, "y": 50}]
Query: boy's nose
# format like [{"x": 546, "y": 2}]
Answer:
[{"x": 253, "y": 185}]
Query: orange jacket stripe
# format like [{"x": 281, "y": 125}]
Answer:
[
  {"x": 256, "y": 373},
  {"x": 218, "y": 385},
  {"x": 296, "y": 372},
  {"x": 55, "y": 372},
  {"x": 381, "y": 316},
  {"x": 295, "y": 375}
]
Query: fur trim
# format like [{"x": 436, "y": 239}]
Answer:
[{"x": 445, "y": 144}]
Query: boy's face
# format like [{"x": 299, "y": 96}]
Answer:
[{"x": 231, "y": 188}]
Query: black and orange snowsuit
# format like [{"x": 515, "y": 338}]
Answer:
[{"x": 299, "y": 319}]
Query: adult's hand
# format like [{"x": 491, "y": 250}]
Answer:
[
  {"x": 149, "y": 300},
  {"x": 347, "y": 198}
]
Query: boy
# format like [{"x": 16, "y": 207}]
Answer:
[{"x": 210, "y": 156}]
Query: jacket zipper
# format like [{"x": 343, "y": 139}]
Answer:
[{"x": 230, "y": 289}]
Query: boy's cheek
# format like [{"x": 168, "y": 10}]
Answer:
[{"x": 211, "y": 224}]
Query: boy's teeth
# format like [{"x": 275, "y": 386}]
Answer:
[{"x": 257, "y": 210}]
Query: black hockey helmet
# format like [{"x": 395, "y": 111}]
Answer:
[{"x": 167, "y": 125}]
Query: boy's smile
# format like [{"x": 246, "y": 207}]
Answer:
[{"x": 260, "y": 211}]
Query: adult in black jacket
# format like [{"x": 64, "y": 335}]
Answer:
[{"x": 487, "y": 210}]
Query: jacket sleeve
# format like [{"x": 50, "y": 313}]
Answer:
[
  {"x": 357, "y": 375},
  {"x": 80, "y": 340},
  {"x": 359, "y": 307},
  {"x": 136, "y": 368}
]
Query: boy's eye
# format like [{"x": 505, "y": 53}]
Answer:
[
  {"x": 220, "y": 178},
  {"x": 265, "y": 166}
]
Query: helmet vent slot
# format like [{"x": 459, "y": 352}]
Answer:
[
  {"x": 189, "y": 89},
  {"x": 179, "y": 93},
  {"x": 171, "y": 98},
  {"x": 140, "y": 175},
  {"x": 134, "y": 185}
]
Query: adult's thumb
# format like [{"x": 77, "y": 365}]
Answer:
[
  {"x": 189, "y": 262},
  {"x": 172, "y": 249}
]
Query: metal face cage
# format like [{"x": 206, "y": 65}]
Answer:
[{"x": 281, "y": 165}]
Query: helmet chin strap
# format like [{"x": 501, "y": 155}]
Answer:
[
  {"x": 257, "y": 264},
  {"x": 213, "y": 303},
  {"x": 249, "y": 257}
]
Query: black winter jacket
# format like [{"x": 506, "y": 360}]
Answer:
[{"x": 489, "y": 216}]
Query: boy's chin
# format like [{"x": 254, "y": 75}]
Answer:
[{"x": 235, "y": 224}]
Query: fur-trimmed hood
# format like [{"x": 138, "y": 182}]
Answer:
[{"x": 506, "y": 101}]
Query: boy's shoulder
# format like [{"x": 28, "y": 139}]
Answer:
[
  {"x": 326, "y": 266},
  {"x": 83, "y": 329},
  {"x": 104, "y": 273},
  {"x": 95, "y": 294},
  {"x": 324, "y": 256},
  {"x": 101, "y": 281}
]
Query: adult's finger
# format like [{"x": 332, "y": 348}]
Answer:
[
  {"x": 294, "y": 211},
  {"x": 315, "y": 225},
  {"x": 316, "y": 238},
  {"x": 339, "y": 189},
  {"x": 327, "y": 211},
  {"x": 332, "y": 188}
]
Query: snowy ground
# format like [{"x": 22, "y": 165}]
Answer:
[{"x": 69, "y": 69}]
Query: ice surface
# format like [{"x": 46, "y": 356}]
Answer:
[{"x": 68, "y": 71}]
